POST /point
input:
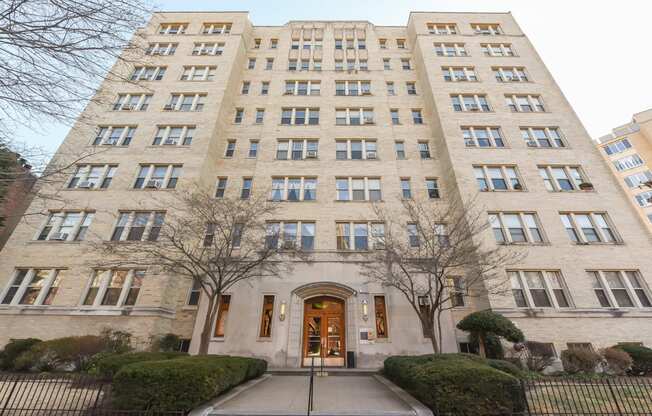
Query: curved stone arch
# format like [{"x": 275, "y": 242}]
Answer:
[{"x": 338, "y": 290}]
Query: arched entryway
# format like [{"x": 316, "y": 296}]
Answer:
[{"x": 324, "y": 334}]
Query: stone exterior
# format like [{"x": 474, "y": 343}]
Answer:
[
  {"x": 639, "y": 134},
  {"x": 161, "y": 305}
]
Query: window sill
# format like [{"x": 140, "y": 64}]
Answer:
[
  {"x": 263, "y": 339},
  {"x": 168, "y": 146},
  {"x": 358, "y": 201},
  {"x": 503, "y": 190},
  {"x": 217, "y": 339},
  {"x": 574, "y": 191},
  {"x": 189, "y": 308},
  {"x": 55, "y": 242},
  {"x": 85, "y": 189},
  {"x": 524, "y": 244},
  {"x": 298, "y": 125},
  {"x": 616, "y": 243},
  {"x": 297, "y": 160},
  {"x": 291, "y": 201}
]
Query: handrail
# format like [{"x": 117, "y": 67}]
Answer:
[{"x": 311, "y": 385}]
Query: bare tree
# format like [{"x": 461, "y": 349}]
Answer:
[
  {"x": 432, "y": 253},
  {"x": 216, "y": 243}
]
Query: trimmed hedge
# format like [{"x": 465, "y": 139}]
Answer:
[
  {"x": 505, "y": 367},
  {"x": 13, "y": 349},
  {"x": 181, "y": 383},
  {"x": 641, "y": 358},
  {"x": 456, "y": 384},
  {"x": 108, "y": 366}
]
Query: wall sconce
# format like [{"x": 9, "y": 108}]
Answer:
[
  {"x": 365, "y": 309},
  {"x": 281, "y": 315}
]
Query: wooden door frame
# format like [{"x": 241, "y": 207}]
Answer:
[{"x": 324, "y": 325}]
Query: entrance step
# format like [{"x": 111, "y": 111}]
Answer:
[{"x": 329, "y": 371}]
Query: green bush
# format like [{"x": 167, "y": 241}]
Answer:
[
  {"x": 109, "y": 365},
  {"x": 13, "y": 349},
  {"x": 641, "y": 358},
  {"x": 167, "y": 342},
  {"x": 456, "y": 383},
  {"x": 181, "y": 383},
  {"x": 505, "y": 367},
  {"x": 580, "y": 361},
  {"x": 618, "y": 361},
  {"x": 66, "y": 354},
  {"x": 116, "y": 341}
]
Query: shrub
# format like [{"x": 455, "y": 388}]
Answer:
[
  {"x": 181, "y": 383},
  {"x": 580, "y": 361},
  {"x": 167, "y": 342},
  {"x": 483, "y": 324},
  {"x": 116, "y": 341},
  {"x": 456, "y": 383},
  {"x": 68, "y": 354},
  {"x": 492, "y": 345},
  {"x": 538, "y": 356},
  {"x": 109, "y": 365},
  {"x": 13, "y": 349},
  {"x": 505, "y": 367},
  {"x": 641, "y": 358},
  {"x": 617, "y": 361}
]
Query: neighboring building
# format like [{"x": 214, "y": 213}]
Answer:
[
  {"x": 628, "y": 152},
  {"x": 453, "y": 105},
  {"x": 16, "y": 182}
]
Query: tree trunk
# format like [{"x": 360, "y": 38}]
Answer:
[
  {"x": 211, "y": 312},
  {"x": 429, "y": 330},
  {"x": 481, "y": 349}
]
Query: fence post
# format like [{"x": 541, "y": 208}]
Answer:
[
  {"x": 11, "y": 393},
  {"x": 613, "y": 394},
  {"x": 527, "y": 405}
]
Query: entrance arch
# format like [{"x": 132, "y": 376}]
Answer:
[{"x": 324, "y": 335}]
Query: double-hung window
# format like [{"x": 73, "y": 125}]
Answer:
[
  {"x": 637, "y": 179},
  {"x": 510, "y": 74},
  {"x": 161, "y": 48},
  {"x": 92, "y": 177},
  {"x": 470, "y": 103},
  {"x": 399, "y": 147},
  {"x": 290, "y": 235},
  {"x": 208, "y": 48},
  {"x": 354, "y": 116},
  {"x": 558, "y": 178},
  {"x": 628, "y": 162},
  {"x": 486, "y": 29},
  {"x": 302, "y": 88},
  {"x": 157, "y": 176},
  {"x": 497, "y": 49},
  {"x": 542, "y": 137},
  {"x": 618, "y": 146},
  {"x": 132, "y": 102},
  {"x": 358, "y": 189},
  {"x": 442, "y": 28},
  {"x": 497, "y": 178},
  {"x": 525, "y": 103},
  {"x": 356, "y": 235},
  {"x": 620, "y": 289},
  {"x": 114, "y": 135},
  {"x": 516, "y": 227},
  {"x": 177, "y": 135},
  {"x": 148, "y": 73},
  {"x": 459, "y": 73},
  {"x": 432, "y": 187},
  {"x": 172, "y": 28},
  {"x": 115, "y": 287},
  {"x": 297, "y": 149},
  {"x": 352, "y": 88},
  {"x": 294, "y": 189},
  {"x": 417, "y": 116},
  {"x": 216, "y": 29},
  {"x": 483, "y": 136},
  {"x": 539, "y": 289},
  {"x": 424, "y": 150},
  {"x": 589, "y": 227},
  {"x": 300, "y": 116},
  {"x": 354, "y": 149},
  {"x": 138, "y": 226},
  {"x": 185, "y": 102},
  {"x": 450, "y": 49},
  {"x": 220, "y": 189},
  {"x": 198, "y": 73},
  {"x": 32, "y": 287},
  {"x": 66, "y": 226}
]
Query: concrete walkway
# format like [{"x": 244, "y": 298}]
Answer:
[{"x": 355, "y": 395}]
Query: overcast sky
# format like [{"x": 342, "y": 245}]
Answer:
[{"x": 599, "y": 52}]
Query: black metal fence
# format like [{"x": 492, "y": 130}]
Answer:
[{"x": 60, "y": 395}]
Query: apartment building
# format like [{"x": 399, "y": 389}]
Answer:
[
  {"x": 332, "y": 115},
  {"x": 628, "y": 152}
]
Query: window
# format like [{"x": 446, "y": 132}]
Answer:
[
  {"x": 354, "y": 116},
  {"x": 157, "y": 176},
  {"x": 230, "y": 148},
  {"x": 644, "y": 199},
  {"x": 382, "y": 43},
  {"x": 628, "y": 162},
  {"x": 132, "y": 102},
  {"x": 114, "y": 135},
  {"x": 205, "y": 48},
  {"x": 399, "y": 147},
  {"x": 117, "y": 287},
  {"x": 456, "y": 291},
  {"x": 138, "y": 226},
  {"x": 198, "y": 73},
  {"x": 542, "y": 137},
  {"x": 433, "y": 188},
  {"x": 245, "y": 88},
  {"x": 296, "y": 149},
  {"x": 524, "y": 103},
  {"x": 264, "y": 88},
  {"x": 470, "y": 102},
  {"x": 413, "y": 235},
  {"x": 253, "y": 149},
  {"x": 405, "y": 64},
  {"x": 424, "y": 150},
  {"x": 300, "y": 116},
  {"x": 516, "y": 227},
  {"x": 442, "y": 28},
  {"x": 216, "y": 28},
  {"x": 174, "y": 135},
  {"x": 161, "y": 49},
  {"x": 355, "y": 235},
  {"x": 497, "y": 178},
  {"x": 292, "y": 65},
  {"x": 294, "y": 189},
  {"x": 562, "y": 178},
  {"x": 147, "y": 73},
  {"x": 257, "y": 43},
  {"x": 260, "y": 115},
  {"x": 172, "y": 28},
  {"x": 239, "y": 115},
  {"x": 273, "y": 43},
  {"x": 539, "y": 289},
  {"x": 66, "y": 226},
  {"x": 380, "y": 313},
  {"x": 486, "y": 29},
  {"x": 481, "y": 136},
  {"x": 269, "y": 64},
  {"x": 621, "y": 289},
  {"x": 266, "y": 317},
  {"x": 417, "y": 117},
  {"x": 618, "y": 146},
  {"x": 511, "y": 74},
  {"x": 589, "y": 228},
  {"x": 459, "y": 73},
  {"x": 450, "y": 49},
  {"x": 497, "y": 49},
  {"x": 406, "y": 190},
  {"x": 92, "y": 177},
  {"x": 390, "y": 88},
  {"x": 185, "y": 102},
  {"x": 222, "y": 314},
  {"x": 221, "y": 187},
  {"x": 386, "y": 64},
  {"x": 356, "y": 149},
  {"x": 352, "y": 88},
  {"x": 358, "y": 189},
  {"x": 245, "y": 193},
  {"x": 302, "y": 88},
  {"x": 400, "y": 43},
  {"x": 32, "y": 287},
  {"x": 251, "y": 63},
  {"x": 394, "y": 114},
  {"x": 638, "y": 179},
  {"x": 290, "y": 235}
]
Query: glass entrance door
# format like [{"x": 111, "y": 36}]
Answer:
[{"x": 324, "y": 332}]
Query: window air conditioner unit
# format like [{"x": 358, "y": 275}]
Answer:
[
  {"x": 366, "y": 92},
  {"x": 462, "y": 79},
  {"x": 59, "y": 236},
  {"x": 127, "y": 107},
  {"x": 368, "y": 120},
  {"x": 371, "y": 155},
  {"x": 169, "y": 141},
  {"x": 531, "y": 143},
  {"x": 470, "y": 143},
  {"x": 474, "y": 108},
  {"x": 155, "y": 52},
  {"x": 85, "y": 184},
  {"x": 167, "y": 107},
  {"x": 289, "y": 245},
  {"x": 311, "y": 154},
  {"x": 153, "y": 183},
  {"x": 515, "y": 80},
  {"x": 379, "y": 245}
]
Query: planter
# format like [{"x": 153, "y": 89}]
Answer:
[{"x": 585, "y": 186}]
